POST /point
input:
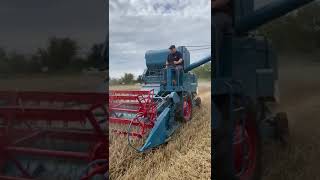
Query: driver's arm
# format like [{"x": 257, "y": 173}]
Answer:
[
  {"x": 179, "y": 61},
  {"x": 217, "y": 4}
]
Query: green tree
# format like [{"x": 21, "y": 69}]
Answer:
[
  {"x": 4, "y": 66},
  {"x": 140, "y": 79},
  {"x": 128, "y": 78},
  {"x": 96, "y": 56},
  {"x": 17, "y": 62},
  {"x": 59, "y": 53},
  {"x": 297, "y": 31},
  {"x": 203, "y": 72},
  {"x": 114, "y": 81}
]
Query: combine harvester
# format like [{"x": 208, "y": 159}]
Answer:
[
  {"x": 53, "y": 135},
  {"x": 244, "y": 86},
  {"x": 155, "y": 112}
]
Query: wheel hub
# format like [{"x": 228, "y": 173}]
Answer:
[
  {"x": 187, "y": 109},
  {"x": 245, "y": 150}
]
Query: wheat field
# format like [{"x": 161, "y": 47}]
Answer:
[
  {"x": 300, "y": 98},
  {"x": 186, "y": 156}
]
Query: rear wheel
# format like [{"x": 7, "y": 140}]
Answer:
[
  {"x": 246, "y": 146},
  {"x": 187, "y": 108},
  {"x": 184, "y": 111},
  {"x": 238, "y": 144}
]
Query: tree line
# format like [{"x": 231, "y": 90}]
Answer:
[
  {"x": 202, "y": 72},
  {"x": 60, "y": 54},
  {"x": 297, "y": 32},
  {"x": 126, "y": 79}
]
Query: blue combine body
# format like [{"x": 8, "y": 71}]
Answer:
[
  {"x": 244, "y": 85},
  {"x": 180, "y": 96}
]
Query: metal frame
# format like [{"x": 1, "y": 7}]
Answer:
[
  {"x": 140, "y": 107},
  {"x": 27, "y": 107}
]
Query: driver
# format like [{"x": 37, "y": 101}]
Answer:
[{"x": 175, "y": 60}]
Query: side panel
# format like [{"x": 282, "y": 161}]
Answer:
[
  {"x": 185, "y": 54},
  {"x": 190, "y": 82},
  {"x": 254, "y": 65}
]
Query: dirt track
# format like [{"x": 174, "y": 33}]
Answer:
[
  {"x": 300, "y": 98},
  {"x": 186, "y": 156}
]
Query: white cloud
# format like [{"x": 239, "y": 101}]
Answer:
[{"x": 140, "y": 25}]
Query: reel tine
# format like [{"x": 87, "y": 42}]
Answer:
[{"x": 131, "y": 108}]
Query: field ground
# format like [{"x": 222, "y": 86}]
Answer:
[
  {"x": 74, "y": 82},
  {"x": 186, "y": 156},
  {"x": 300, "y": 98}
]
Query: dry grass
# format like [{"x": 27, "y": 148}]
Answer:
[
  {"x": 186, "y": 156},
  {"x": 300, "y": 98},
  {"x": 124, "y": 87}
]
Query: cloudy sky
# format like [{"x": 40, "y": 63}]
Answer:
[
  {"x": 140, "y": 25},
  {"x": 27, "y": 24}
]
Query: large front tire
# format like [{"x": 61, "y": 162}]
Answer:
[
  {"x": 184, "y": 113},
  {"x": 238, "y": 144}
]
